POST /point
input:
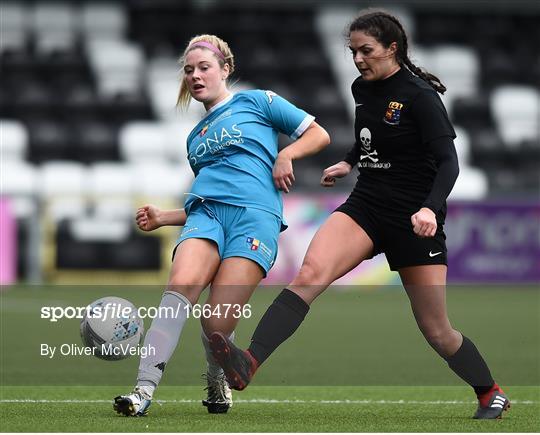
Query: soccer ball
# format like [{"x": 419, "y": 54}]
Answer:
[{"x": 112, "y": 327}]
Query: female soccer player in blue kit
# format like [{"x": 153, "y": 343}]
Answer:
[{"x": 232, "y": 216}]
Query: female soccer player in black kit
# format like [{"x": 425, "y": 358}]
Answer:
[{"x": 408, "y": 165}]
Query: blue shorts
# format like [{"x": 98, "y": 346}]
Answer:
[{"x": 237, "y": 231}]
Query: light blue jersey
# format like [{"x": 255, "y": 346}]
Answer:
[{"x": 232, "y": 150}]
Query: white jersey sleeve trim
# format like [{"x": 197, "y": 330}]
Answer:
[{"x": 302, "y": 127}]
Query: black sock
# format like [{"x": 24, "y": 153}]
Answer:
[
  {"x": 279, "y": 322},
  {"x": 469, "y": 365}
]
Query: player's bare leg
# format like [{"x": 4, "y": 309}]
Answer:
[
  {"x": 339, "y": 246},
  {"x": 426, "y": 288},
  {"x": 227, "y": 303}
]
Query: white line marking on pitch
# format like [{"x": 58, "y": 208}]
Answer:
[{"x": 276, "y": 401}]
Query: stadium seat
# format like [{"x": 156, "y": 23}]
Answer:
[
  {"x": 99, "y": 229},
  {"x": 163, "y": 181},
  {"x": 499, "y": 68},
  {"x": 73, "y": 254},
  {"x": 421, "y": 56},
  {"x": 95, "y": 243},
  {"x": 103, "y": 20},
  {"x": 111, "y": 188},
  {"x": 54, "y": 26},
  {"x": 94, "y": 141},
  {"x": 14, "y": 25},
  {"x": 162, "y": 68},
  {"x": 176, "y": 140},
  {"x": 462, "y": 143},
  {"x": 473, "y": 112},
  {"x": 49, "y": 140},
  {"x": 406, "y": 17},
  {"x": 516, "y": 110},
  {"x": 163, "y": 83},
  {"x": 79, "y": 103},
  {"x": 458, "y": 67},
  {"x": 14, "y": 140},
  {"x": 263, "y": 59},
  {"x": 143, "y": 142},
  {"x": 330, "y": 22},
  {"x": 117, "y": 65},
  {"x": 163, "y": 95},
  {"x": 488, "y": 150},
  {"x": 472, "y": 184},
  {"x": 137, "y": 252},
  {"x": 63, "y": 189},
  {"x": 125, "y": 107},
  {"x": 34, "y": 99},
  {"x": 19, "y": 183},
  {"x": 110, "y": 178}
]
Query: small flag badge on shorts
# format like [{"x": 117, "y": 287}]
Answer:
[
  {"x": 393, "y": 113},
  {"x": 253, "y": 243}
]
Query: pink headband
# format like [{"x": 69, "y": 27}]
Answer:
[{"x": 208, "y": 45}]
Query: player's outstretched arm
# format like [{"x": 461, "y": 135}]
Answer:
[
  {"x": 149, "y": 217},
  {"x": 313, "y": 140},
  {"x": 339, "y": 170}
]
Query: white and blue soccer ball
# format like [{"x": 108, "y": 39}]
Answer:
[{"x": 112, "y": 327}]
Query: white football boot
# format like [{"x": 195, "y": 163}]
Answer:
[
  {"x": 219, "y": 398},
  {"x": 135, "y": 404}
]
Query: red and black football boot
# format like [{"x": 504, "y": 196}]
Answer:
[
  {"x": 492, "y": 404},
  {"x": 239, "y": 365}
]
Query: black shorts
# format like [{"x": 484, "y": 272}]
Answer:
[{"x": 392, "y": 234}]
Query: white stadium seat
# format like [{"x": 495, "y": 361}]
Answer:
[
  {"x": 13, "y": 26},
  {"x": 163, "y": 181},
  {"x": 143, "y": 142},
  {"x": 176, "y": 140},
  {"x": 463, "y": 146},
  {"x": 516, "y": 110},
  {"x": 458, "y": 67},
  {"x": 103, "y": 20},
  {"x": 54, "y": 25},
  {"x": 19, "y": 181},
  {"x": 63, "y": 187},
  {"x": 111, "y": 188},
  {"x": 13, "y": 140},
  {"x": 94, "y": 229},
  {"x": 421, "y": 57},
  {"x": 163, "y": 95},
  {"x": 118, "y": 65},
  {"x": 472, "y": 184}
]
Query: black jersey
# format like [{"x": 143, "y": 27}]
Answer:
[{"x": 397, "y": 121}]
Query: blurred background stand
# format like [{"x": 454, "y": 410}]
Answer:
[{"x": 90, "y": 131}]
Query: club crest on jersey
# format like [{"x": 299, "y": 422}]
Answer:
[
  {"x": 253, "y": 243},
  {"x": 203, "y": 131},
  {"x": 393, "y": 113}
]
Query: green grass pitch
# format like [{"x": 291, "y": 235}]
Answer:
[
  {"x": 269, "y": 409},
  {"x": 358, "y": 364}
]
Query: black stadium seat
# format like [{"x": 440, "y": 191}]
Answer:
[
  {"x": 137, "y": 252},
  {"x": 94, "y": 141},
  {"x": 49, "y": 139}
]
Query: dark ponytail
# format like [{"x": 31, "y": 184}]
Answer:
[{"x": 386, "y": 28}]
